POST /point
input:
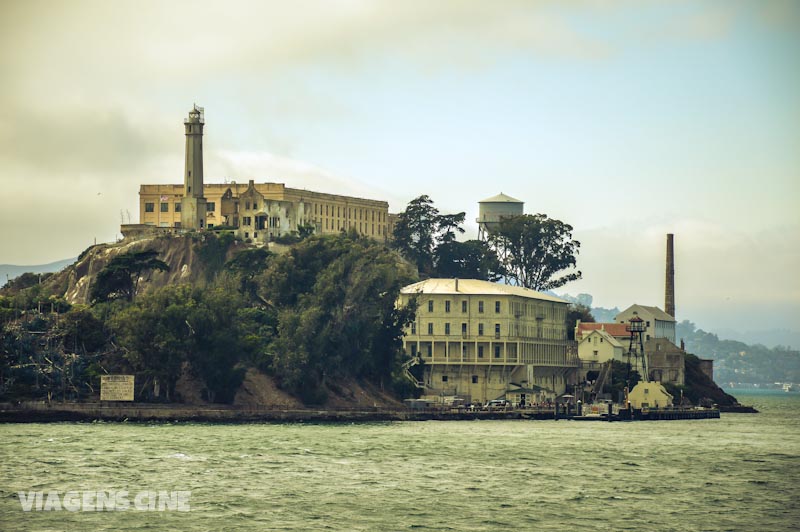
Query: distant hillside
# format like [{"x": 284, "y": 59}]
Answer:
[
  {"x": 737, "y": 362},
  {"x": 10, "y": 271}
]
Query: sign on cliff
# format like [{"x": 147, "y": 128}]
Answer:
[{"x": 116, "y": 387}]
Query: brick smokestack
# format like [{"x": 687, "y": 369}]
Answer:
[{"x": 669, "y": 291}]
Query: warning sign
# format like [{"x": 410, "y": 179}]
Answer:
[{"x": 116, "y": 387}]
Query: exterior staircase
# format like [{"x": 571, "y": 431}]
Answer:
[
  {"x": 411, "y": 362},
  {"x": 605, "y": 374}
]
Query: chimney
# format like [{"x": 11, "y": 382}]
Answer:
[
  {"x": 669, "y": 291},
  {"x": 456, "y": 284}
]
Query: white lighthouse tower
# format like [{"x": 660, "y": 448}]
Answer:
[{"x": 193, "y": 203}]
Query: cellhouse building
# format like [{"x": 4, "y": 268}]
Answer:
[{"x": 257, "y": 212}]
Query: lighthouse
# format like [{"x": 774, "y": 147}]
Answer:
[{"x": 193, "y": 203}]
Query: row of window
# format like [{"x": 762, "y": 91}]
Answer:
[
  {"x": 338, "y": 225},
  {"x": 353, "y": 214},
  {"x": 474, "y": 379},
  {"x": 464, "y": 306},
  {"x": 429, "y": 351},
  {"x": 463, "y": 329},
  {"x": 164, "y": 207}
]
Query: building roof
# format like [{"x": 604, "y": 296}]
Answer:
[
  {"x": 605, "y": 334},
  {"x": 617, "y": 330},
  {"x": 474, "y": 287},
  {"x": 501, "y": 198},
  {"x": 656, "y": 312}
]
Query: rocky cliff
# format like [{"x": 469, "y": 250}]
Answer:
[{"x": 193, "y": 258}]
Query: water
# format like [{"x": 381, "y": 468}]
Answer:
[{"x": 741, "y": 472}]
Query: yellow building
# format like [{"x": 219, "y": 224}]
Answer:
[
  {"x": 649, "y": 395},
  {"x": 482, "y": 340},
  {"x": 261, "y": 211}
]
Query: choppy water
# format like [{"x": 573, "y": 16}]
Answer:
[{"x": 741, "y": 472}]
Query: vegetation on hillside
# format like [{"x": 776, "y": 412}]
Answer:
[{"x": 324, "y": 311}]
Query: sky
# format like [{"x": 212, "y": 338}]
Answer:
[{"x": 627, "y": 120}]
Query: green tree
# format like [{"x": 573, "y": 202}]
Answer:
[
  {"x": 246, "y": 265},
  {"x": 120, "y": 277},
  {"x": 178, "y": 324},
  {"x": 335, "y": 299},
  {"x": 420, "y": 228},
  {"x": 472, "y": 259},
  {"x": 575, "y": 312},
  {"x": 535, "y": 250}
]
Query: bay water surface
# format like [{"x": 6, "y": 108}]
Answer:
[{"x": 741, "y": 472}]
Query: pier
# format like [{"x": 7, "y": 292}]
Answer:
[{"x": 41, "y": 412}]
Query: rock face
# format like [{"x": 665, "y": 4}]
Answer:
[{"x": 191, "y": 258}]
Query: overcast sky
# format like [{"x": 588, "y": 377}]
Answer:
[{"x": 627, "y": 120}]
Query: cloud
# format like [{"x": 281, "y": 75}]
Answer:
[
  {"x": 717, "y": 269},
  {"x": 267, "y": 167}
]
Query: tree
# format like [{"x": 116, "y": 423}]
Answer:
[
  {"x": 472, "y": 259},
  {"x": 575, "y": 312},
  {"x": 246, "y": 265},
  {"x": 120, "y": 277},
  {"x": 420, "y": 228},
  {"x": 335, "y": 299},
  {"x": 179, "y": 324},
  {"x": 535, "y": 249}
]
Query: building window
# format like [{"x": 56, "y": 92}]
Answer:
[
  {"x": 447, "y": 328},
  {"x": 177, "y": 206},
  {"x": 474, "y": 379},
  {"x": 247, "y": 205},
  {"x": 480, "y": 307},
  {"x": 497, "y": 330},
  {"x": 430, "y": 305},
  {"x": 149, "y": 207},
  {"x": 255, "y": 205},
  {"x": 480, "y": 329},
  {"x": 596, "y": 353},
  {"x": 497, "y": 351},
  {"x": 464, "y": 351},
  {"x": 211, "y": 206},
  {"x": 447, "y": 306},
  {"x": 430, "y": 328},
  {"x": 480, "y": 351},
  {"x": 497, "y": 307},
  {"x": 647, "y": 323},
  {"x": 413, "y": 327},
  {"x": 464, "y": 329},
  {"x": 444, "y": 378},
  {"x": 463, "y": 306},
  {"x": 164, "y": 207}
]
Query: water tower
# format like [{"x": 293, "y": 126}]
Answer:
[{"x": 492, "y": 210}]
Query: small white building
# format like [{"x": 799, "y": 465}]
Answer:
[{"x": 658, "y": 324}]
